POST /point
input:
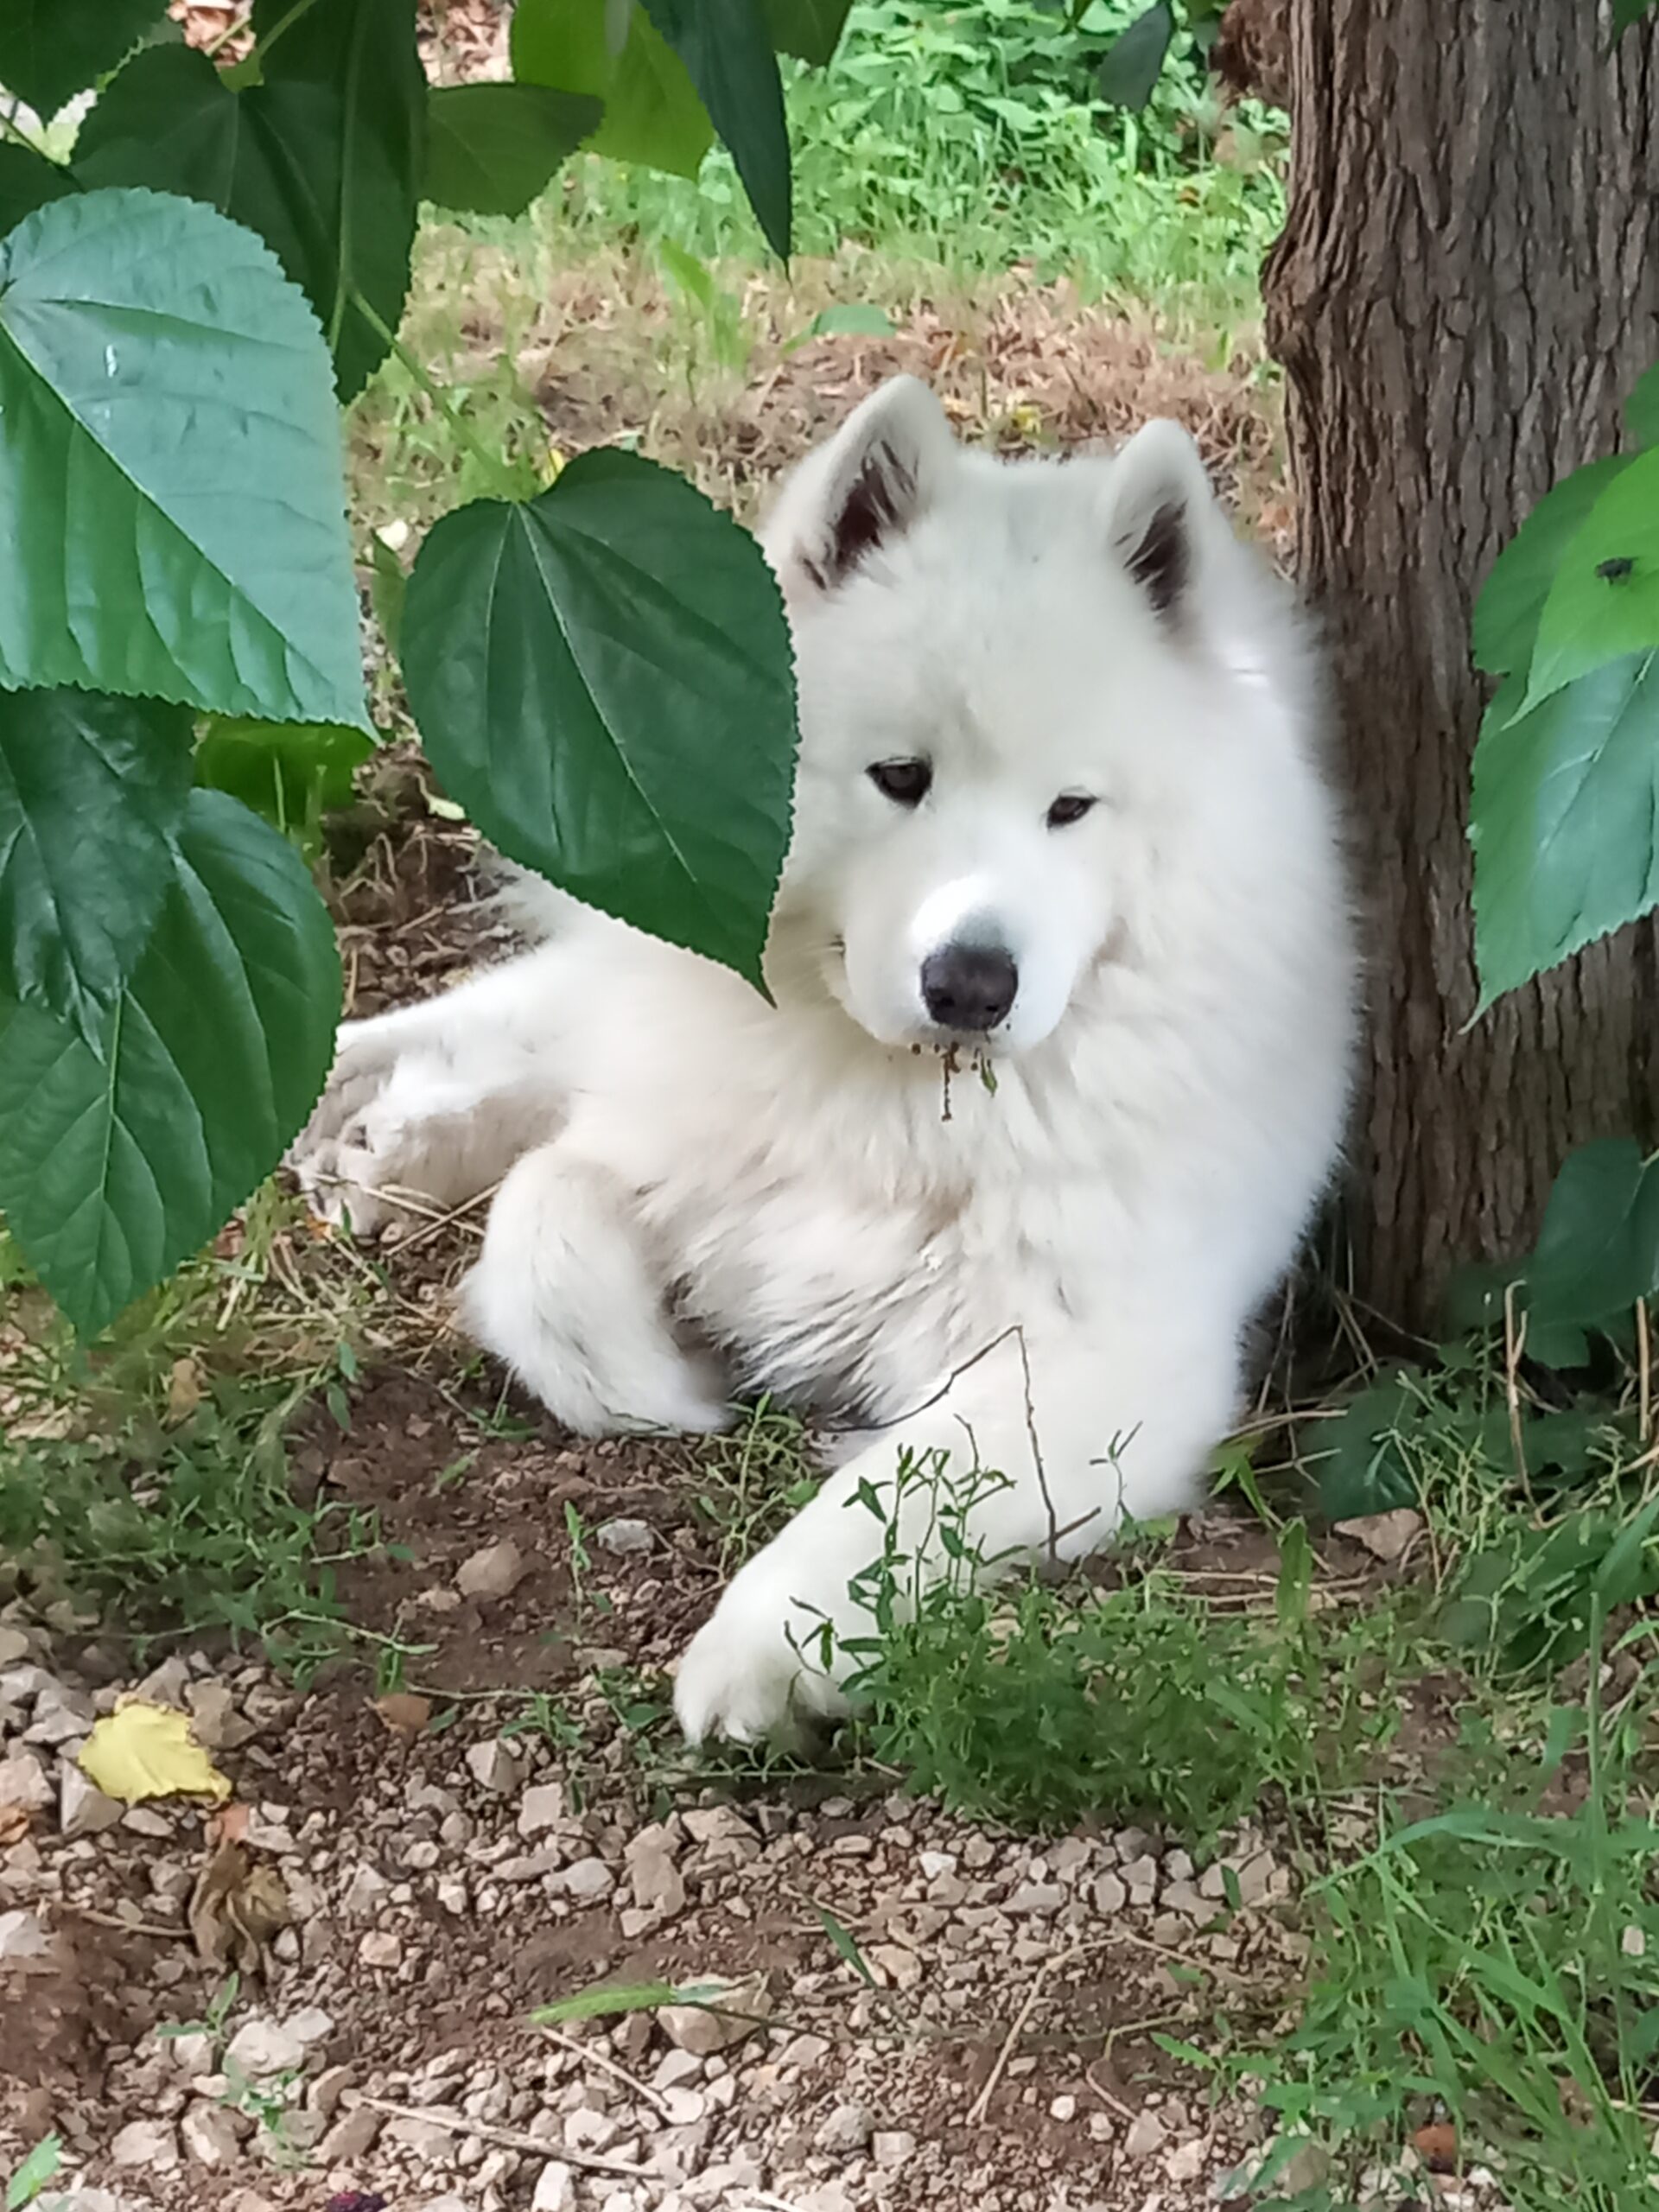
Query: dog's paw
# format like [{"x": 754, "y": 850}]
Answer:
[{"x": 755, "y": 1671}]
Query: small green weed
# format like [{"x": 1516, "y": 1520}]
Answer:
[
  {"x": 1041, "y": 1704},
  {"x": 747, "y": 1484},
  {"x": 42, "y": 2165}
]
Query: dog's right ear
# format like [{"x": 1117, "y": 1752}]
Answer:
[{"x": 880, "y": 472}]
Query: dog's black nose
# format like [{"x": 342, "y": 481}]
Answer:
[{"x": 969, "y": 986}]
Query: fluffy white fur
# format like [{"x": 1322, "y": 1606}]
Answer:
[{"x": 1034, "y": 1249}]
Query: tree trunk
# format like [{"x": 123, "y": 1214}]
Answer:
[{"x": 1467, "y": 287}]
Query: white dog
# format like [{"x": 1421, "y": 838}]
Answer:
[{"x": 1064, "y": 982}]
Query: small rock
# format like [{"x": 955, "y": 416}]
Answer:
[
  {"x": 166, "y": 1684},
  {"x": 192, "y": 2054},
  {"x": 494, "y": 1767},
  {"x": 586, "y": 2131},
  {"x": 1036, "y": 1897},
  {"x": 1187, "y": 2161},
  {"x": 309, "y": 2027},
  {"x": 365, "y": 1892},
  {"x": 261, "y": 2048},
  {"x": 556, "y": 2189},
  {"x": 23, "y": 1937},
  {"x": 14, "y": 1646},
  {"x": 849, "y": 2128},
  {"x": 894, "y": 2147},
  {"x": 935, "y": 1863},
  {"x": 83, "y": 1810},
  {"x": 146, "y": 2143},
  {"x": 217, "y": 1725},
  {"x": 24, "y": 1783},
  {"x": 209, "y": 2136},
  {"x": 624, "y": 1538},
  {"x": 658, "y": 1884},
  {"x": 588, "y": 1879},
  {"x": 1145, "y": 2136},
  {"x": 1063, "y": 2108},
  {"x": 351, "y": 2137},
  {"x": 542, "y": 1808},
  {"x": 1142, "y": 1875},
  {"x": 381, "y": 1948},
  {"x": 1387, "y": 1536},
  {"x": 493, "y": 1572},
  {"x": 744, "y": 2005},
  {"x": 1110, "y": 1895},
  {"x": 325, "y": 2093}
]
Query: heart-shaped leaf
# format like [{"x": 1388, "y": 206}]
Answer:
[
  {"x": 1129, "y": 69},
  {"x": 603, "y": 678},
  {"x": 491, "y": 149},
  {"x": 91, "y": 790},
  {"x": 28, "y": 180},
  {"x": 170, "y": 468},
  {"x": 727, "y": 55},
  {"x": 653, "y": 117},
  {"x": 117, "y": 1162},
  {"x": 52, "y": 49},
  {"x": 323, "y": 156}
]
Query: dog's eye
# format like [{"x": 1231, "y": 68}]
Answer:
[
  {"x": 905, "y": 782},
  {"x": 1070, "y": 806}
]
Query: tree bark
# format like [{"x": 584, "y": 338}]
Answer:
[{"x": 1467, "y": 288}]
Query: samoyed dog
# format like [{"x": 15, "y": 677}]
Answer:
[{"x": 1064, "y": 982}]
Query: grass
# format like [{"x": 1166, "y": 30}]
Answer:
[{"x": 146, "y": 1483}]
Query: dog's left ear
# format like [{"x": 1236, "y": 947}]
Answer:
[
  {"x": 880, "y": 471},
  {"x": 1162, "y": 509}
]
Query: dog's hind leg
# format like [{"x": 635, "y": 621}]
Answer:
[{"x": 566, "y": 1293}]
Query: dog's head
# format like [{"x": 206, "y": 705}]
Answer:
[{"x": 993, "y": 660}]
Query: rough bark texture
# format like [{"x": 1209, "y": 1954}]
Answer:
[{"x": 1467, "y": 286}]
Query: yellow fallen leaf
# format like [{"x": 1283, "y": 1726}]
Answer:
[{"x": 146, "y": 1750}]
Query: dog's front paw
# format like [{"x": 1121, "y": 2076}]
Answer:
[{"x": 756, "y": 1671}]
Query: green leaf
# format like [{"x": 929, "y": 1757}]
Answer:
[
  {"x": 842, "y": 1939},
  {"x": 809, "y": 30},
  {"x": 1130, "y": 66},
  {"x": 1642, "y": 410},
  {"x": 609, "y": 2002},
  {"x": 170, "y": 471},
  {"x": 727, "y": 55},
  {"x": 42, "y": 2164},
  {"x": 1605, "y": 600},
  {"x": 290, "y": 774},
  {"x": 1563, "y": 817},
  {"x": 1628, "y": 12},
  {"x": 652, "y": 115},
  {"x": 1512, "y": 598},
  {"x": 603, "y": 679},
  {"x": 1597, "y": 1251},
  {"x": 852, "y": 320},
  {"x": 115, "y": 1164},
  {"x": 1358, "y": 1458},
  {"x": 52, "y": 49},
  {"x": 91, "y": 790},
  {"x": 491, "y": 149},
  {"x": 28, "y": 180},
  {"x": 324, "y": 157},
  {"x": 388, "y": 587}
]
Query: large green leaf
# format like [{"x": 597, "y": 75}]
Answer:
[
  {"x": 492, "y": 148},
  {"x": 809, "y": 30},
  {"x": 292, "y": 773},
  {"x": 28, "y": 180},
  {"x": 1604, "y": 599},
  {"x": 52, "y": 49},
  {"x": 170, "y": 471},
  {"x": 1597, "y": 1252},
  {"x": 1129, "y": 69},
  {"x": 323, "y": 156},
  {"x": 1359, "y": 1460},
  {"x": 91, "y": 790},
  {"x": 1512, "y": 598},
  {"x": 117, "y": 1164},
  {"x": 727, "y": 55},
  {"x": 652, "y": 115},
  {"x": 603, "y": 679},
  {"x": 1564, "y": 819}
]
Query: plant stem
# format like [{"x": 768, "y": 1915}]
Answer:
[{"x": 497, "y": 467}]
